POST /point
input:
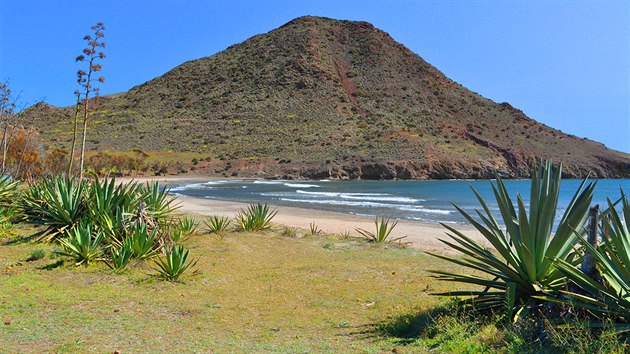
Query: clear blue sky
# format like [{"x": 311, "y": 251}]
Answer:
[{"x": 564, "y": 63}]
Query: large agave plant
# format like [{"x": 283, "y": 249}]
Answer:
[
  {"x": 57, "y": 202},
  {"x": 110, "y": 205},
  {"x": 610, "y": 297},
  {"x": 520, "y": 266},
  {"x": 159, "y": 203}
]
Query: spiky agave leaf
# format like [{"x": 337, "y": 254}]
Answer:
[
  {"x": 56, "y": 202},
  {"x": 383, "y": 229},
  {"x": 521, "y": 260},
  {"x": 217, "y": 224},
  {"x": 611, "y": 297},
  {"x": 174, "y": 263},
  {"x": 81, "y": 244},
  {"x": 159, "y": 203},
  {"x": 257, "y": 217}
]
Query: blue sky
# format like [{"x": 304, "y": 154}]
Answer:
[{"x": 564, "y": 63}]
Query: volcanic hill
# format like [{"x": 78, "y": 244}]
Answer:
[{"x": 324, "y": 98}]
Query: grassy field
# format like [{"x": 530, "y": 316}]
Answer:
[{"x": 251, "y": 292}]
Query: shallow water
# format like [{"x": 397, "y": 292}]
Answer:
[{"x": 428, "y": 201}]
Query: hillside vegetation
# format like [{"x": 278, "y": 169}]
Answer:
[{"x": 323, "y": 98}]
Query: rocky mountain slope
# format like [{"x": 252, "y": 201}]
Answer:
[{"x": 323, "y": 98}]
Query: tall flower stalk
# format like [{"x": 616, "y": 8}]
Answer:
[{"x": 92, "y": 55}]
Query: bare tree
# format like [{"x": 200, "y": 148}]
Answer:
[{"x": 84, "y": 78}]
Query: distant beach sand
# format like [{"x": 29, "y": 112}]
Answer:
[{"x": 418, "y": 234}]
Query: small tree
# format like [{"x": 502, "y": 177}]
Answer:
[{"x": 84, "y": 78}]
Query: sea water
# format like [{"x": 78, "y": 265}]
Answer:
[{"x": 427, "y": 201}]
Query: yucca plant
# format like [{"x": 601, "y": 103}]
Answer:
[
  {"x": 217, "y": 224},
  {"x": 57, "y": 202},
  {"x": 159, "y": 203},
  {"x": 81, "y": 244},
  {"x": 120, "y": 258},
  {"x": 383, "y": 229},
  {"x": 174, "y": 263},
  {"x": 609, "y": 298},
  {"x": 142, "y": 242},
  {"x": 519, "y": 267},
  {"x": 257, "y": 217}
]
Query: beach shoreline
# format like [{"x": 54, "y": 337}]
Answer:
[{"x": 418, "y": 234}]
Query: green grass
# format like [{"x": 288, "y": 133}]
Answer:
[
  {"x": 245, "y": 297},
  {"x": 257, "y": 292}
]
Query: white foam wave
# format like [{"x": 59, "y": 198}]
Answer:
[
  {"x": 378, "y": 197},
  {"x": 190, "y": 186},
  {"x": 268, "y": 182},
  {"x": 300, "y": 185},
  {"x": 340, "y": 202},
  {"x": 422, "y": 209},
  {"x": 220, "y": 182}
]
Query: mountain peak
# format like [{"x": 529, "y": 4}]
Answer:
[{"x": 326, "y": 98}]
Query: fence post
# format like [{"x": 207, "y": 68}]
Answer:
[{"x": 588, "y": 262}]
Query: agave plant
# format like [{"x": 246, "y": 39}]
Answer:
[
  {"x": 610, "y": 297},
  {"x": 110, "y": 207},
  {"x": 120, "y": 258},
  {"x": 289, "y": 231},
  {"x": 81, "y": 244},
  {"x": 520, "y": 266},
  {"x": 8, "y": 191},
  {"x": 382, "y": 233},
  {"x": 142, "y": 242},
  {"x": 187, "y": 226},
  {"x": 217, "y": 224},
  {"x": 257, "y": 217},
  {"x": 174, "y": 264},
  {"x": 314, "y": 229},
  {"x": 57, "y": 202},
  {"x": 159, "y": 203}
]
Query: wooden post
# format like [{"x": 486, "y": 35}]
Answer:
[{"x": 588, "y": 262}]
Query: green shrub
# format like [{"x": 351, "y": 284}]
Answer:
[{"x": 36, "y": 255}]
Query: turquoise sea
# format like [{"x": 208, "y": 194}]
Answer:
[{"x": 427, "y": 201}]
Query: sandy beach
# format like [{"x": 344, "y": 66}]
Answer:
[{"x": 418, "y": 234}]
